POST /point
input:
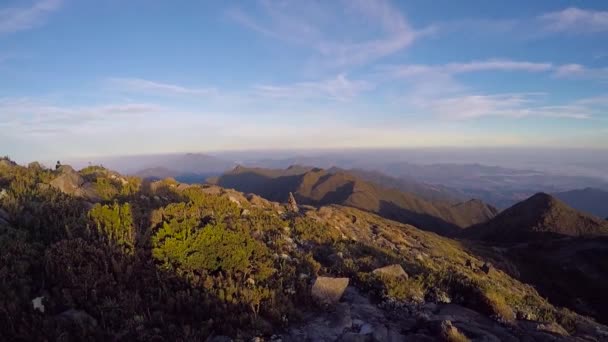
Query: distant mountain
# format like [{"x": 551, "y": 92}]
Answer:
[
  {"x": 177, "y": 164},
  {"x": 157, "y": 173},
  {"x": 427, "y": 191},
  {"x": 496, "y": 185},
  {"x": 541, "y": 215},
  {"x": 316, "y": 186},
  {"x": 589, "y": 200}
]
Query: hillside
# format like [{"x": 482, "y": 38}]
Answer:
[
  {"x": 540, "y": 216},
  {"x": 589, "y": 200},
  {"x": 321, "y": 187},
  {"x": 135, "y": 260},
  {"x": 426, "y": 191}
]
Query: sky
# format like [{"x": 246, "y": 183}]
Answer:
[{"x": 95, "y": 78}]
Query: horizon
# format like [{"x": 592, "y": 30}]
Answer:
[{"x": 82, "y": 79}]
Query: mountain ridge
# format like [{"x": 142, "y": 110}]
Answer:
[{"x": 320, "y": 187}]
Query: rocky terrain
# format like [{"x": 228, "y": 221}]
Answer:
[{"x": 93, "y": 255}]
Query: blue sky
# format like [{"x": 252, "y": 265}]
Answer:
[{"x": 89, "y": 78}]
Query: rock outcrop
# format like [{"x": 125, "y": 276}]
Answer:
[
  {"x": 328, "y": 290},
  {"x": 395, "y": 271}
]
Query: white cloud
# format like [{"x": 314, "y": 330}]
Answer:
[
  {"x": 32, "y": 115},
  {"x": 24, "y": 18},
  {"x": 339, "y": 88},
  {"x": 307, "y": 24},
  {"x": 575, "y": 20},
  {"x": 410, "y": 70},
  {"x": 142, "y": 85},
  {"x": 578, "y": 71},
  {"x": 501, "y": 105}
]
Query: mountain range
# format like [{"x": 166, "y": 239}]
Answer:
[{"x": 315, "y": 186}]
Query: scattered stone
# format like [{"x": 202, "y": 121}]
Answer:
[
  {"x": 392, "y": 271},
  {"x": 37, "y": 304},
  {"x": 328, "y": 290},
  {"x": 234, "y": 200},
  {"x": 553, "y": 328},
  {"x": 3, "y": 194},
  {"x": 292, "y": 204},
  {"x": 486, "y": 268},
  {"x": 366, "y": 329},
  {"x": 245, "y": 212}
]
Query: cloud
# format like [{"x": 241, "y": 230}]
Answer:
[
  {"x": 578, "y": 71},
  {"x": 309, "y": 24},
  {"x": 339, "y": 88},
  {"x": 147, "y": 86},
  {"x": 575, "y": 20},
  {"x": 409, "y": 70},
  {"x": 24, "y": 18},
  {"x": 501, "y": 105},
  {"x": 32, "y": 115}
]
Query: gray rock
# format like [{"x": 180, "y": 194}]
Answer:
[
  {"x": 366, "y": 329},
  {"x": 328, "y": 290},
  {"x": 292, "y": 204},
  {"x": 78, "y": 319},
  {"x": 391, "y": 271},
  {"x": 486, "y": 268},
  {"x": 3, "y": 194},
  {"x": 68, "y": 182}
]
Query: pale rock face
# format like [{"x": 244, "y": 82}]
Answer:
[
  {"x": 328, "y": 290},
  {"x": 293, "y": 205},
  {"x": 37, "y": 304},
  {"x": 391, "y": 271}
]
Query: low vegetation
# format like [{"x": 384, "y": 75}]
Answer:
[{"x": 162, "y": 260}]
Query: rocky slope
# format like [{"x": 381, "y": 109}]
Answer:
[
  {"x": 320, "y": 187},
  {"x": 167, "y": 261}
]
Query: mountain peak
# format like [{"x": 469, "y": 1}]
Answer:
[{"x": 541, "y": 214}]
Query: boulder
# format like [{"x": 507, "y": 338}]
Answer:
[
  {"x": 486, "y": 268},
  {"x": 391, "y": 271},
  {"x": 3, "y": 194},
  {"x": 68, "y": 182},
  {"x": 328, "y": 290}
]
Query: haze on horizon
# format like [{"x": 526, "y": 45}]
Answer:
[{"x": 84, "y": 78}]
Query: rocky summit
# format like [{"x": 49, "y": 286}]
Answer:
[{"x": 130, "y": 259}]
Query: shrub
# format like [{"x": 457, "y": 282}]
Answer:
[{"x": 114, "y": 224}]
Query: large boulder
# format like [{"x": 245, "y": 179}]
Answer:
[
  {"x": 69, "y": 181},
  {"x": 394, "y": 270},
  {"x": 328, "y": 290}
]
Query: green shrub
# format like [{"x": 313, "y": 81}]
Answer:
[{"x": 114, "y": 224}]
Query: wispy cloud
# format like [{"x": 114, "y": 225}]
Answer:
[
  {"x": 340, "y": 88},
  {"x": 467, "y": 107},
  {"x": 467, "y": 67},
  {"x": 148, "y": 86},
  {"x": 306, "y": 23},
  {"x": 578, "y": 71},
  {"x": 24, "y": 18},
  {"x": 37, "y": 115},
  {"x": 575, "y": 20}
]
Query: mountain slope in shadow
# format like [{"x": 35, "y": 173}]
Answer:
[
  {"x": 314, "y": 186},
  {"x": 539, "y": 217},
  {"x": 590, "y": 200}
]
